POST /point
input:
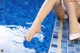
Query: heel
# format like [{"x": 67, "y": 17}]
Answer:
[{"x": 74, "y": 36}]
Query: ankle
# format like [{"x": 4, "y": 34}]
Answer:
[
  {"x": 73, "y": 17},
  {"x": 36, "y": 22}
]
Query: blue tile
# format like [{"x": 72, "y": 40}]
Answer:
[
  {"x": 64, "y": 51},
  {"x": 70, "y": 48},
  {"x": 77, "y": 45},
  {"x": 63, "y": 47},
  {"x": 64, "y": 44},
  {"x": 71, "y": 52},
  {"x": 64, "y": 41},
  {"x": 78, "y": 49},
  {"x": 52, "y": 45},
  {"x": 55, "y": 36},
  {"x": 70, "y": 45},
  {"x": 52, "y": 52},
  {"x": 76, "y": 41}
]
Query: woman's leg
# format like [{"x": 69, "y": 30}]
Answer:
[
  {"x": 59, "y": 10},
  {"x": 74, "y": 29},
  {"x": 77, "y": 9},
  {"x": 45, "y": 9},
  {"x": 78, "y": 12}
]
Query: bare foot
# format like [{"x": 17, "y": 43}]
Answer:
[
  {"x": 74, "y": 31},
  {"x": 35, "y": 28},
  {"x": 75, "y": 36}
]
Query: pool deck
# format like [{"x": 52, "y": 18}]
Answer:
[{"x": 60, "y": 42}]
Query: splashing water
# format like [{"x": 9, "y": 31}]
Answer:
[{"x": 12, "y": 37}]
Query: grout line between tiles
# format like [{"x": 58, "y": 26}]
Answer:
[
  {"x": 59, "y": 37},
  {"x": 74, "y": 47},
  {"x": 67, "y": 36}
]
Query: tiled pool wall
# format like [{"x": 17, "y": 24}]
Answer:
[{"x": 20, "y": 12}]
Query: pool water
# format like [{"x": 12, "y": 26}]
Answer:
[{"x": 16, "y": 16}]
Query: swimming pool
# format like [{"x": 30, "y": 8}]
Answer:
[{"x": 18, "y": 15}]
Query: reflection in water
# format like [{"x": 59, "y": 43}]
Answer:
[{"x": 12, "y": 37}]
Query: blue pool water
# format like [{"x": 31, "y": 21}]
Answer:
[{"x": 20, "y": 12}]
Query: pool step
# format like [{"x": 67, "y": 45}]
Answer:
[{"x": 60, "y": 42}]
